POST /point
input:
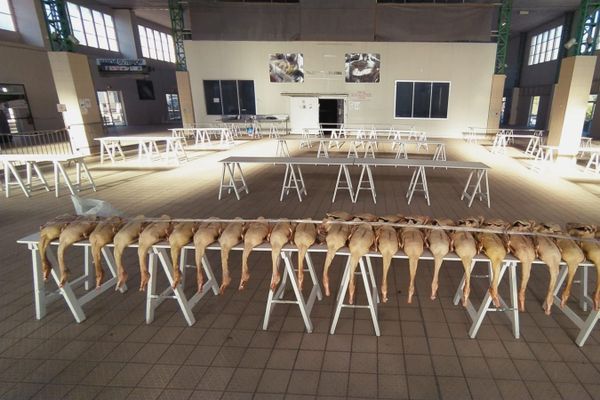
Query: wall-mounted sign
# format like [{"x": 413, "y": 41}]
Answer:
[
  {"x": 61, "y": 108},
  {"x": 122, "y": 65}
]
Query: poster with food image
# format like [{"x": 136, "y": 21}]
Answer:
[
  {"x": 286, "y": 68},
  {"x": 362, "y": 67}
]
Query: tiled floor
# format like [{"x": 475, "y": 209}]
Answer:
[{"x": 423, "y": 352}]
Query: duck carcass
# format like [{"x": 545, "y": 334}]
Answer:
[
  {"x": 124, "y": 237},
  {"x": 495, "y": 249},
  {"x": 361, "y": 239},
  {"x": 465, "y": 247},
  {"x": 438, "y": 242},
  {"x": 182, "y": 234},
  {"x": 523, "y": 248},
  {"x": 253, "y": 234},
  {"x": 412, "y": 241},
  {"x": 48, "y": 232},
  {"x": 336, "y": 236},
  {"x": 305, "y": 236},
  {"x": 207, "y": 233},
  {"x": 281, "y": 234},
  {"x": 591, "y": 250},
  {"x": 152, "y": 234},
  {"x": 231, "y": 235},
  {"x": 103, "y": 234},
  {"x": 386, "y": 238},
  {"x": 77, "y": 230}
]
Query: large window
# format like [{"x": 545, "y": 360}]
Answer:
[
  {"x": 229, "y": 97},
  {"x": 6, "y": 21},
  {"x": 544, "y": 46},
  {"x": 156, "y": 45},
  {"x": 422, "y": 99},
  {"x": 92, "y": 28}
]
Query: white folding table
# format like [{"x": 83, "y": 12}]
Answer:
[
  {"x": 293, "y": 178},
  {"x": 32, "y": 161},
  {"x": 43, "y": 296},
  {"x": 477, "y": 184},
  {"x": 147, "y": 147},
  {"x": 224, "y": 134},
  {"x": 593, "y": 164}
]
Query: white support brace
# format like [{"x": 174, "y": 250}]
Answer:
[
  {"x": 477, "y": 315},
  {"x": 305, "y": 305},
  {"x": 366, "y": 273}
]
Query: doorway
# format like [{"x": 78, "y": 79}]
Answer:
[
  {"x": 111, "y": 108},
  {"x": 331, "y": 113},
  {"x": 15, "y": 110},
  {"x": 589, "y": 114}
]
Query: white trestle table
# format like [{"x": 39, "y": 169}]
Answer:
[
  {"x": 477, "y": 185},
  {"x": 32, "y": 161},
  {"x": 147, "y": 147}
]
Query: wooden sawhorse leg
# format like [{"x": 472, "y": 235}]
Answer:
[
  {"x": 292, "y": 180},
  {"x": 586, "y": 325},
  {"x": 418, "y": 178},
  {"x": 512, "y": 312},
  {"x": 368, "y": 278},
  {"x": 304, "y": 304},
  {"x": 346, "y": 179},
  {"x": 154, "y": 299},
  {"x": 481, "y": 187},
  {"x": 369, "y": 182},
  {"x": 230, "y": 169}
]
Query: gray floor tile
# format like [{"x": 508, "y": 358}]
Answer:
[
  {"x": 453, "y": 388},
  {"x": 244, "y": 380},
  {"x": 304, "y": 382},
  {"x": 333, "y": 384},
  {"x": 422, "y": 387},
  {"x": 274, "y": 381}
]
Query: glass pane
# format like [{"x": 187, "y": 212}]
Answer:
[
  {"x": 113, "y": 45},
  {"x": 554, "y": 54},
  {"x": 439, "y": 100},
  {"x": 6, "y": 22},
  {"x": 404, "y": 98},
  {"x": 422, "y": 100},
  {"x": 247, "y": 101},
  {"x": 165, "y": 46},
  {"x": 4, "y": 7},
  {"x": 559, "y": 31},
  {"x": 230, "y": 97},
  {"x": 212, "y": 97},
  {"x": 73, "y": 10},
  {"x": 151, "y": 43},
  {"x": 171, "y": 48}
]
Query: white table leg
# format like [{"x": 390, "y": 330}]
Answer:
[
  {"x": 39, "y": 287},
  {"x": 65, "y": 177},
  {"x": 9, "y": 170},
  {"x": 67, "y": 292},
  {"x": 40, "y": 176}
]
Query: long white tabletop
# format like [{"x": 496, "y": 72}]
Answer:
[{"x": 31, "y": 161}]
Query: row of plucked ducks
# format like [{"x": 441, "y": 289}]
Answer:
[{"x": 362, "y": 233}]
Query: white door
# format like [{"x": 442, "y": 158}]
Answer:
[{"x": 304, "y": 113}]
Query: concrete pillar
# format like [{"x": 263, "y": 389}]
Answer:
[
  {"x": 569, "y": 102},
  {"x": 514, "y": 106},
  {"x": 75, "y": 89},
  {"x": 186, "y": 105},
  {"x": 124, "y": 27},
  {"x": 496, "y": 95}
]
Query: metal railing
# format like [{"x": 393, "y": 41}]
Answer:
[{"x": 38, "y": 142}]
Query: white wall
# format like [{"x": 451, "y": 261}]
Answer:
[{"x": 468, "y": 66}]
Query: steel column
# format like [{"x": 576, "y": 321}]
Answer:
[
  {"x": 57, "y": 23},
  {"x": 587, "y": 28},
  {"x": 503, "y": 35},
  {"x": 176, "y": 13}
]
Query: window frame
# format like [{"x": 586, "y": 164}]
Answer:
[
  {"x": 152, "y": 42},
  {"x": 430, "y": 99},
  {"x": 10, "y": 12},
  {"x": 545, "y": 46},
  {"x": 237, "y": 90},
  {"x": 89, "y": 29}
]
